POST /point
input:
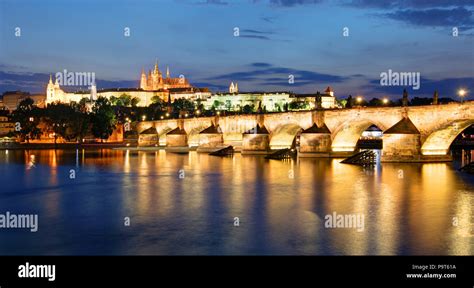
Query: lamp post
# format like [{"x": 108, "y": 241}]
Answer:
[
  {"x": 462, "y": 93},
  {"x": 385, "y": 101},
  {"x": 359, "y": 100}
]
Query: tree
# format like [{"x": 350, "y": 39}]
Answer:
[
  {"x": 80, "y": 120},
  {"x": 216, "y": 104},
  {"x": 342, "y": 102},
  {"x": 113, "y": 100},
  {"x": 417, "y": 101},
  {"x": 200, "y": 107},
  {"x": 103, "y": 119},
  {"x": 134, "y": 101},
  {"x": 277, "y": 107},
  {"x": 58, "y": 117},
  {"x": 297, "y": 105},
  {"x": 375, "y": 102},
  {"x": 156, "y": 108},
  {"x": 248, "y": 109},
  {"x": 156, "y": 99},
  {"x": 350, "y": 102},
  {"x": 182, "y": 105},
  {"x": 27, "y": 118},
  {"x": 125, "y": 100},
  {"x": 228, "y": 105}
]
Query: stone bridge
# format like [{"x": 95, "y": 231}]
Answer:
[{"x": 415, "y": 133}]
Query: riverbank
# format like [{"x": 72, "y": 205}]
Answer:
[{"x": 38, "y": 146}]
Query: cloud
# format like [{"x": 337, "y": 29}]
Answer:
[
  {"x": 269, "y": 75},
  {"x": 29, "y": 82},
  {"x": 211, "y": 86},
  {"x": 446, "y": 87},
  {"x": 257, "y": 34},
  {"x": 256, "y": 31},
  {"x": 404, "y": 4},
  {"x": 455, "y": 17},
  {"x": 260, "y": 64},
  {"x": 441, "y": 13},
  {"x": 290, "y": 3},
  {"x": 268, "y": 19},
  {"x": 255, "y": 37},
  {"x": 212, "y": 2},
  {"x": 36, "y": 83}
]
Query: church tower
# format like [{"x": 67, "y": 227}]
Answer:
[
  {"x": 234, "y": 88},
  {"x": 143, "y": 81},
  {"x": 50, "y": 90},
  {"x": 155, "y": 77},
  {"x": 149, "y": 85},
  {"x": 93, "y": 91}
]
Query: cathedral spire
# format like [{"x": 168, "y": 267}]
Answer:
[
  {"x": 167, "y": 72},
  {"x": 156, "y": 66},
  {"x": 50, "y": 79}
]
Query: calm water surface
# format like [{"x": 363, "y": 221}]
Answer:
[{"x": 408, "y": 208}]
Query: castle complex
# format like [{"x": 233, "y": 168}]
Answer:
[
  {"x": 155, "y": 80},
  {"x": 167, "y": 89},
  {"x": 150, "y": 86}
]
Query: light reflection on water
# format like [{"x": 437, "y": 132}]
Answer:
[{"x": 408, "y": 208}]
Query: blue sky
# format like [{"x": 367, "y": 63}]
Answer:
[{"x": 277, "y": 38}]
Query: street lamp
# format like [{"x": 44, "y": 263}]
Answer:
[
  {"x": 162, "y": 117},
  {"x": 143, "y": 117},
  {"x": 359, "y": 99},
  {"x": 198, "y": 112},
  {"x": 462, "y": 93},
  {"x": 167, "y": 114},
  {"x": 385, "y": 101}
]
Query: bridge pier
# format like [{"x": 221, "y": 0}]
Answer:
[
  {"x": 177, "y": 137},
  {"x": 315, "y": 142},
  {"x": 402, "y": 143},
  {"x": 257, "y": 139},
  {"x": 211, "y": 138}
]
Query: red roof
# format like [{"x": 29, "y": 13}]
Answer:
[{"x": 328, "y": 89}]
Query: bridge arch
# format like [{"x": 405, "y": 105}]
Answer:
[
  {"x": 439, "y": 141},
  {"x": 193, "y": 135},
  {"x": 283, "y": 135},
  {"x": 162, "y": 134},
  {"x": 348, "y": 133}
]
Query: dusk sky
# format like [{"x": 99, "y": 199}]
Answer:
[{"x": 277, "y": 38}]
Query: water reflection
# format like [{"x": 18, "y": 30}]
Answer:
[{"x": 186, "y": 204}]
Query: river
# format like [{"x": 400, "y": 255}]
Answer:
[{"x": 112, "y": 202}]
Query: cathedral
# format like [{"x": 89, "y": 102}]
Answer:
[{"x": 155, "y": 81}]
